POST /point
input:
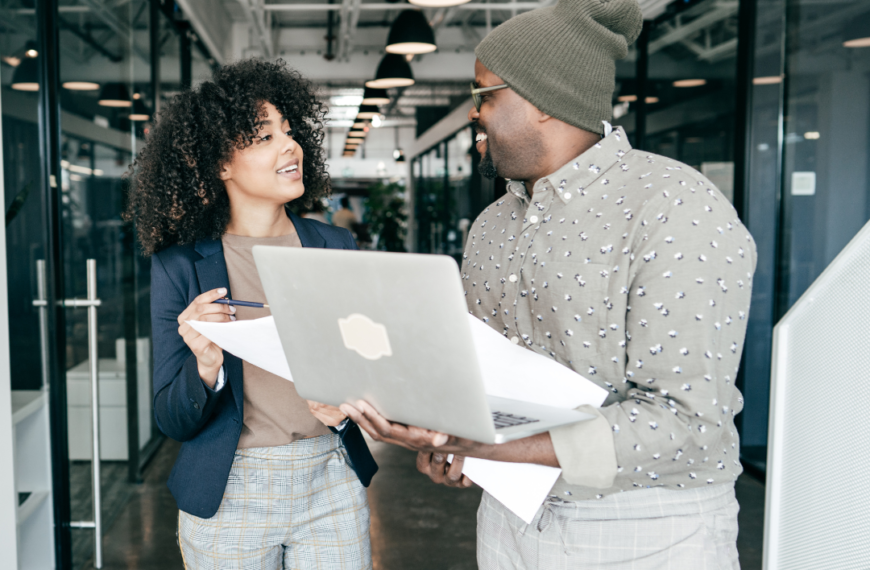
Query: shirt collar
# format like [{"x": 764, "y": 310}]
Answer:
[{"x": 573, "y": 177}]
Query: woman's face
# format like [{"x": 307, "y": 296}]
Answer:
[{"x": 270, "y": 169}]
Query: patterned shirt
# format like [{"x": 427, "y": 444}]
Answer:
[{"x": 633, "y": 270}]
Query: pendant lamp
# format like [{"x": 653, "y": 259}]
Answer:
[
  {"x": 26, "y": 75},
  {"x": 375, "y": 96},
  {"x": 139, "y": 112},
  {"x": 857, "y": 33},
  {"x": 393, "y": 71},
  {"x": 115, "y": 95},
  {"x": 437, "y": 3},
  {"x": 81, "y": 85},
  {"x": 367, "y": 112},
  {"x": 411, "y": 34}
]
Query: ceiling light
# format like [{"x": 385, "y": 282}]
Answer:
[
  {"x": 30, "y": 49},
  {"x": 375, "y": 97},
  {"x": 356, "y": 134},
  {"x": 367, "y": 112},
  {"x": 139, "y": 112},
  {"x": 627, "y": 98},
  {"x": 690, "y": 83},
  {"x": 377, "y": 121},
  {"x": 857, "y": 34},
  {"x": 115, "y": 95},
  {"x": 359, "y": 125},
  {"x": 437, "y": 3},
  {"x": 767, "y": 80},
  {"x": 26, "y": 76},
  {"x": 411, "y": 34},
  {"x": 812, "y": 136},
  {"x": 393, "y": 71},
  {"x": 651, "y": 100},
  {"x": 81, "y": 85},
  {"x": 11, "y": 60}
]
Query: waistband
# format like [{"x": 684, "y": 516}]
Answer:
[
  {"x": 299, "y": 449},
  {"x": 650, "y": 503}
]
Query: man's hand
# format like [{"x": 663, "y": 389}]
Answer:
[
  {"x": 436, "y": 467},
  {"x": 409, "y": 437}
]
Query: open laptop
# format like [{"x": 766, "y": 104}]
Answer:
[{"x": 391, "y": 329}]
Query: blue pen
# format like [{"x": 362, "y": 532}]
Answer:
[{"x": 242, "y": 303}]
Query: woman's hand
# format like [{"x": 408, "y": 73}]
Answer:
[
  {"x": 329, "y": 415},
  {"x": 209, "y": 356}
]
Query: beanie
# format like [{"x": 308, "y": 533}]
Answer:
[{"x": 562, "y": 58}]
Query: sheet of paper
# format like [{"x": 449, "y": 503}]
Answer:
[
  {"x": 256, "y": 341},
  {"x": 512, "y": 371}
]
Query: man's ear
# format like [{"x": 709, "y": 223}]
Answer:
[{"x": 543, "y": 117}]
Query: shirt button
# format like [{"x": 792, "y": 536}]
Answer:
[
  {"x": 512, "y": 278},
  {"x": 534, "y": 219},
  {"x": 195, "y": 406},
  {"x": 515, "y": 339}
]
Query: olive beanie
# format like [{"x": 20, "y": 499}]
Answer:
[{"x": 562, "y": 58}]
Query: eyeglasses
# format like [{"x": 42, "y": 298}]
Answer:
[{"x": 476, "y": 91}]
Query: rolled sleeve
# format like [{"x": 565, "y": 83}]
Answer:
[{"x": 586, "y": 451}]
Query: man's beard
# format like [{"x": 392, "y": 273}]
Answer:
[{"x": 486, "y": 166}]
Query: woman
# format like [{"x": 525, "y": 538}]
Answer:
[{"x": 264, "y": 478}]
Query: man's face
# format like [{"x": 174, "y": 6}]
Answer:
[{"x": 507, "y": 137}]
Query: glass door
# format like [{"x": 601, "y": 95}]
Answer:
[{"x": 77, "y": 101}]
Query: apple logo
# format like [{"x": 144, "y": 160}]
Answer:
[{"x": 364, "y": 336}]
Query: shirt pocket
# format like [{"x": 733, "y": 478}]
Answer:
[{"x": 570, "y": 310}]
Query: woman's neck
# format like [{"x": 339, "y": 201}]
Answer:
[{"x": 259, "y": 220}]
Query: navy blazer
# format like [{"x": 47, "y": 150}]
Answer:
[{"x": 208, "y": 422}]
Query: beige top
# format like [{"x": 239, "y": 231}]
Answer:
[
  {"x": 633, "y": 270},
  {"x": 274, "y": 413}
]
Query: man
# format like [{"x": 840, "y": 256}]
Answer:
[{"x": 630, "y": 268}]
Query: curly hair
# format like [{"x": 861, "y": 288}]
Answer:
[{"x": 176, "y": 194}]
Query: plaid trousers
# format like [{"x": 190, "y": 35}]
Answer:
[
  {"x": 298, "y": 506},
  {"x": 647, "y": 529}
]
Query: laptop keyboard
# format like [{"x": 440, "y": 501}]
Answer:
[{"x": 503, "y": 420}]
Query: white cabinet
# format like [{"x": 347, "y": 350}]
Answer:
[
  {"x": 113, "y": 405},
  {"x": 32, "y": 461}
]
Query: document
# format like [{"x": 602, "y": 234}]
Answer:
[
  {"x": 255, "y": 341},
  {"x": 508, "y": 370}
]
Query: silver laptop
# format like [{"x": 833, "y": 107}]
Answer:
[{"x": 391, "y": 329}]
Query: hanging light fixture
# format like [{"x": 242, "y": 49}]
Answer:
[
  {"x": 857, "y": 34},
  {"x": 411, "y": 34},
  {"x": 26, "y": 76},
  {"x": 375, "y": 96},
  {"x": 437, "y": 3},
  {"x": 115, "y": 95},
  {"x": 367, "y": 112},
  {"x": 393, "y": 71},
  {"x": 81, "y": 85},
  {"x": 356, "y": 134},
  {"x": 139, "y": 112}
]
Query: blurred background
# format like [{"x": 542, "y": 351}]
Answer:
[{"x": 768, "y": 99}]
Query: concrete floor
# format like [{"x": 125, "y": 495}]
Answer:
[{"x": 415, "y": 524}]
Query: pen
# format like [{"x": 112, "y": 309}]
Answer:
[{"x": 242, "y": 303}]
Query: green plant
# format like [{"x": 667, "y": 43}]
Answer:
[{"x": 385, "y": 211}]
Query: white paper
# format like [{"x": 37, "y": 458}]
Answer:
[
  {"x": 512, "y": 371},
  {"x": 508, "y": 370},
  {"x": 255, "y": 341}
]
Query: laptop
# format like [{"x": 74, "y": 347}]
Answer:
[{"x": 391, "y": 329}]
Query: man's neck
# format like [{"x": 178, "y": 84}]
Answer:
[{"x": 562, "y": 151}]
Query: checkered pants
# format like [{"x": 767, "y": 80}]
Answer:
[
  {"x": 647, "y": 529},
  {"x": 296, "y": 506}
]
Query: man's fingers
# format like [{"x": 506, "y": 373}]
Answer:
[{"x": 454, "y": 471}]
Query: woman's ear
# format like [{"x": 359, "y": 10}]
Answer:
[{"x": 226, "y": 172}]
